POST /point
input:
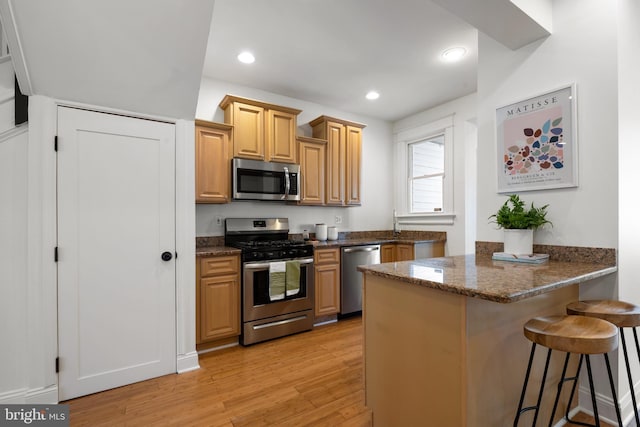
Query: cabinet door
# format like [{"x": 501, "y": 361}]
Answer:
[
  {"x": 387, "y": 253},
  {"x": 335, "y": 163},
  {"x": 219, "y": 307},
  {"x": 212, "y": 165},
  {"x": 281, "y": 136},
  {"x": 404, "y": 252},
  {"x": 353, "y": 165},
  {"x": 248, "y": 131},
  {"x": 312, "y": 165},
  {"x": 327, "y": 289}
]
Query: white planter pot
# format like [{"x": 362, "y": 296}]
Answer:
[{"x": 518, "y": 242}]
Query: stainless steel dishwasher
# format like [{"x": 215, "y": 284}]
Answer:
[{"x": 351, "y": 278}]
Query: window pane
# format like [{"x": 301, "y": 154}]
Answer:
[
  {"x": 426, "y": 174},
  {"x": 427, "y": 157},
  {"x": 426, "y": 194}
]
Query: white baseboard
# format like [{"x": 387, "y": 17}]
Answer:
[
  {"x": 187, "y": 362},
  {"x": 13, "y": 396},
  {"x": 220, "y": 347},
  {"x": 46, "y": 395},
  {"x": 43, "y": 395},
  {"x": 606, "y": 408}
]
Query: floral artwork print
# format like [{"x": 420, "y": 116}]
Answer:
[
  {"x": 536, "y": 142},
  {"x": 543, "y": 149}
]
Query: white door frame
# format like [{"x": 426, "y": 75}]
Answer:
[{"x": 41, "y": 316}]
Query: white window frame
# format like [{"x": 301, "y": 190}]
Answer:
[{"x": 403, "y": 197}]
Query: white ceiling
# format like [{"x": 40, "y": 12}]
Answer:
[
  {"x": 143, "y": 56},
  {"x": 146, "y": 56},
  {"x": 333, "y": 52}
]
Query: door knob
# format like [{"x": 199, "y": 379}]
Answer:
[{"x": 166, "y": 256}]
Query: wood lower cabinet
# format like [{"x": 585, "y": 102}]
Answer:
[
  {"x": 327, "y": 281},
  {"x": 213, "y": 162},
  {"x": 387, "y": 252},
  {"x": 312, "y": 157},
  {"x": 404, "y": 252},
  {"x": 261, "y": 131},
  {"x": 217, "y": 298},
  {"x": 392, "y": 252},
  {"x": 344, "y": 159}
]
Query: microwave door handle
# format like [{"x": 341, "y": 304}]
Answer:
[{"x": 287, "y": 184}]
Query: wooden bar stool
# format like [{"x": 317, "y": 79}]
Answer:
[
  {"x": 571, "y": 334},
  {"x": 623, "y": 315}
]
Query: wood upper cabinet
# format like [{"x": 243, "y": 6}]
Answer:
[
  {"x": 344, "y": 157},
  {"x": 262, "y": 131},
  {"x": 312, "y": 158},
  {"x": 327, "y": 281},
  {"x": 248, "y": 136},
  {"x": 213, "y": 162},
  {"x": 217, "y": 298},
  {"x": 354, "y": 165},
  {"x": 281, "y": 136}
]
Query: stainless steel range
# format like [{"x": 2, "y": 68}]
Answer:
[{"x": 277, "y": 278}]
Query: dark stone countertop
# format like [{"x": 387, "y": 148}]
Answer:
[
  {"x": 479, "y": 276},
  {"x": 214, "y": 245}
]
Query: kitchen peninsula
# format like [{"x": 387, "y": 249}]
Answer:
[{"x": 444, "y": 340}]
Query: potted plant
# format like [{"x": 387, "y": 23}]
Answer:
[{"x": 518, "y": 223}]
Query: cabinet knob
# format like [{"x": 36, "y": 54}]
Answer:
[{"x": 166, "y": 256}]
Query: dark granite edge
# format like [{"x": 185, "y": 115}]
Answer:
[
  {"x": 205, "y": 251},
  {"x": 605, "y": 256}
]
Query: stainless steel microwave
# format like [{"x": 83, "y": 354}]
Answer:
[{"x": 256, "y": 180}]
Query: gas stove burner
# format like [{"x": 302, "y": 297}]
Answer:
[
  {"x": 264, "y": 239},
  {"x": 267, "y": 244}
]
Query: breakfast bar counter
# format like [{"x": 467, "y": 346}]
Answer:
[{"x": 444, "y": 341}]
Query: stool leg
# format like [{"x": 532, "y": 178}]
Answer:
[
  {"x": 573, "y": 392},
  {"x": 524, "y": 386},
  {"x": 613, "y": 390},
  {"x": 593, "y": 392},
  {"x": 631, "y": 388},
  {"x": 544, "y": 379},
  {"x": 635, "y": 336},
  {"x": 560, "y": 383}
]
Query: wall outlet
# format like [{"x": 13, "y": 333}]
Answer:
[
  {"x": 219, "y": 221},
  {"x": 338, "y": 219}
]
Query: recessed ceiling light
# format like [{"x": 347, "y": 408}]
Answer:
[
  {"x": 246, "y": 58},
  {"x": 371, "y": 95},
  {"x": 454, "y": 54}
]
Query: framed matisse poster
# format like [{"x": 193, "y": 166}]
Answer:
[{"x": 537, "y": 144}]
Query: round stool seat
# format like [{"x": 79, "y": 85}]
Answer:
[
  {"x": 573, "y": 334},
  {"x": 620, "y": 313}
]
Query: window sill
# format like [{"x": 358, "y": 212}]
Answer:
[{"x": 426, "y": 219}]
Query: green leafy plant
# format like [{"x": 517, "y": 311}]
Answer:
[{"x": 513, "y": 215}]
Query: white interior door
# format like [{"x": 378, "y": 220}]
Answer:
[{"x": 116, "y": 216}]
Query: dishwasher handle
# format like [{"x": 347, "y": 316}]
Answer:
[{"x": 361, "y": 249}]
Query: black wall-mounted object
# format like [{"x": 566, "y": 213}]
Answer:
[{"x": 21, "y": 103}]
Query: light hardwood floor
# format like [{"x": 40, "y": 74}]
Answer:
[
  {"x": 313, "y": 378},
  {"x": 309, "y": 379}
]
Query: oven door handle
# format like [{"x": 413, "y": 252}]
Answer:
[{"x": 265, "y": 265}]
